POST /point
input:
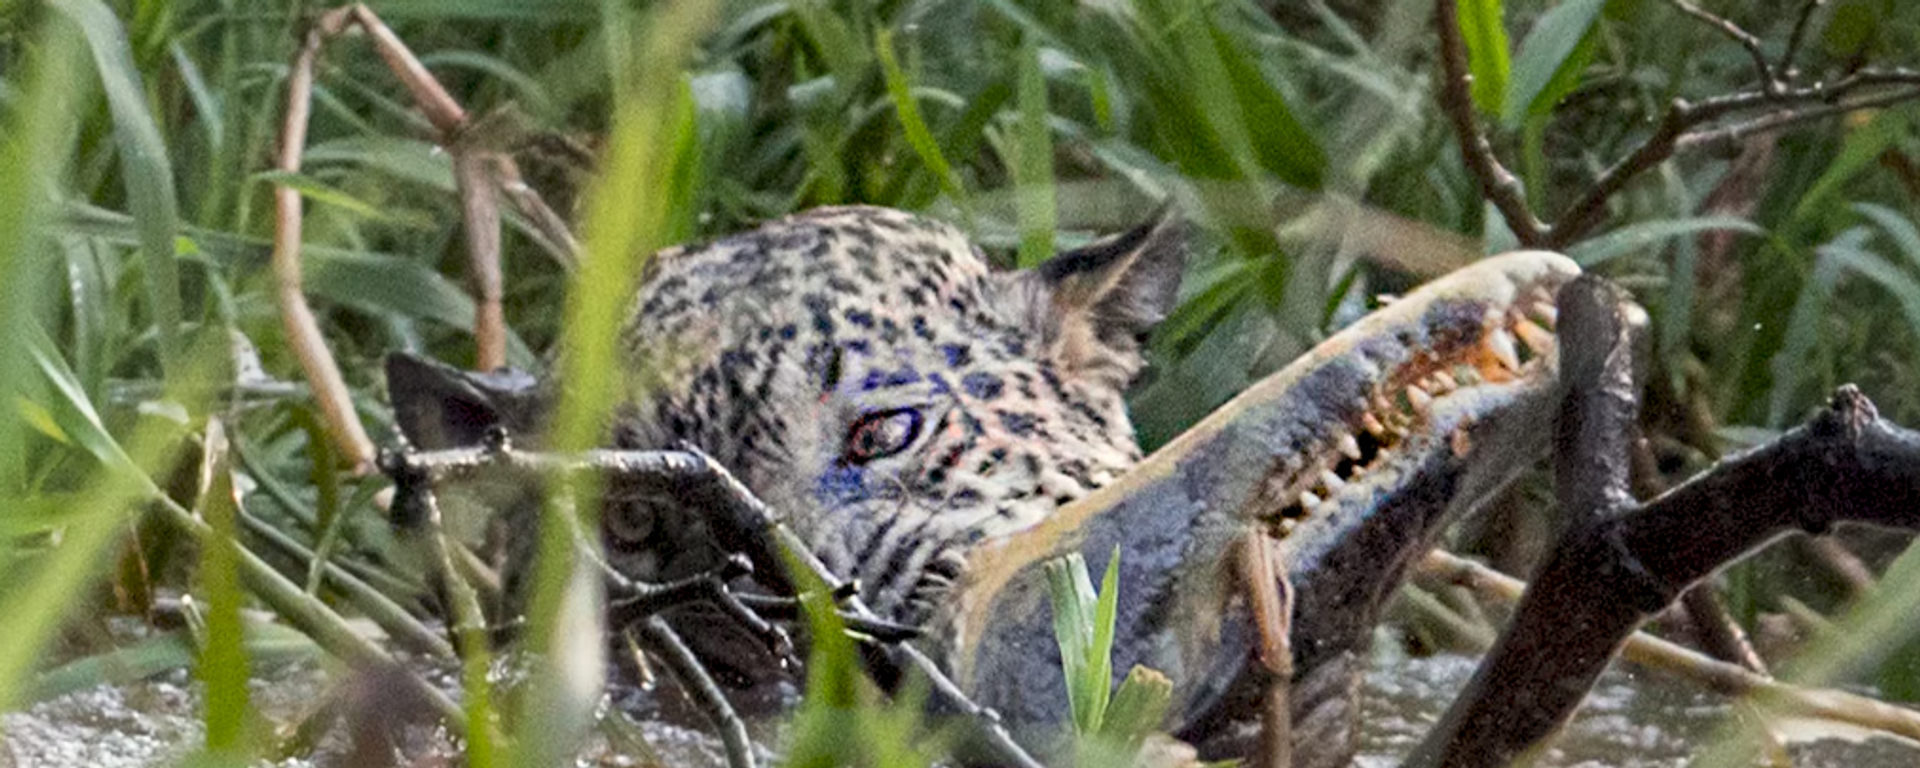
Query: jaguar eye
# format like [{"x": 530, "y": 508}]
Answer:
[{"x": 880, "y": 434}]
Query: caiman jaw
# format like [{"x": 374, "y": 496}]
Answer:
[
  {"x": 1349, "y": 460},
  {"x": 1516, "y": 342}
]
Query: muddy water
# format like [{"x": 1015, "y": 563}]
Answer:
[{"x": 1632, "y": 720}]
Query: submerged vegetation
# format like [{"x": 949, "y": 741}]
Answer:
[{"x": 164, "y": 457}]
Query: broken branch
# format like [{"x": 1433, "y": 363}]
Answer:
[{"x": 1844, "y": 465}]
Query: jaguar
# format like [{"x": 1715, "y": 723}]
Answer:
[{"x": 935, "y": 429}]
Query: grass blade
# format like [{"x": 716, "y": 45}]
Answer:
[
  {"x": 1073, "y": 601},
  {"x": 1551, "y": 59},
  {"x": 1483, "y": 27},
  {"x": 33, "y": 152},
  {"x": 912, "y": 124},
  {"x": 1643, "y": 236},
  {"x": 629, "y": 214},
  {"x": 1033, "y": 162},
  {"x": 1898, "y": 227},
  {"x": 147, "y": 173}
]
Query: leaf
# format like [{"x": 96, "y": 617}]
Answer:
[
  {"x": 36, "y": 135},
  {"x": 918, "y": 136},
  {"x": 409, "y": 159},
  {"x": 1851, "y": 253},
  {"x": 1789, "y": 365},
  {"x": 1100, "y": 652},
  {"x": 1281, "y": 144},
  {"x": 630, "y": 211},
  {"x": 1640, "y": 237},
  {"x": 1032, "y": 164},
  {"x": 143, "y": 163},
  {"x": 69, "y": 407},
  {"x": 1551, "y": 59},
  {"x": 528, "y": 92},
  {"x": 548, "y": 12},
  {"x": 38, "y": 513},
  {"x": 1137, "y": 709},
  {"x": 269, "y": 644},
  {"x": 1860, "y": 151},
  {"x": 320, "y": 192},
  {"x": 1897, "y": 226},
  {"x": 1073, "y": 600},
  {"x": 1483, "y": 28}
]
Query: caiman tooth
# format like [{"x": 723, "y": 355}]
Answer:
[
  {"x": 1372, "y": 425},
  {"x": 1350, "y": 447},
  {"x": 1545, "y": 311},
  {"x": 1383, "y": 406},
  {"x": 1308, "y": 501},
  {"x": 1332, "y": 481},
  {"x": 1500, "y": 343},
  {"x": 1444, "y": 382},
  {"x": 1536, "y": 337},
  {"x": 1419, "y": 399}
]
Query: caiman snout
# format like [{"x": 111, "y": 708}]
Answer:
[{"x": 1345, "y": 464}]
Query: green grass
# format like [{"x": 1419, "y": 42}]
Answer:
[
  {"x": 135, "y": 215},
  {"x": 1109, "y": 721}
]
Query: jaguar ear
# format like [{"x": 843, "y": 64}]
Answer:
[
  {"x": 1094, "y": 305},
  {"x": 438, "y": 406}
]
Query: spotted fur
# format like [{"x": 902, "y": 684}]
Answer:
[{"x": 868, "y": 374}]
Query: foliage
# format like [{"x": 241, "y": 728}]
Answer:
[
  {"x": 1107, "y": 720},
  {"x": 135, "y": 217}
]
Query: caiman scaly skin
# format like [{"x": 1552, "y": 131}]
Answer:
[
  {"x": 1177, "y": 518},
  {"x": 935, "y": 428}
]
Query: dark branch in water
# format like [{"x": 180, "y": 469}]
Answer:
[
  {"x": 1597, "y": 412},
  {"x": 1610, "y": 572},
  {"x": 745, "y": 525},
  {"x": 685, "y": 667}
]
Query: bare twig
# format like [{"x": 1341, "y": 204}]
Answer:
[
  {"x": 1684, "y": 127},
  {"x": 1496, "y": 182},
  {"x": 1724, "y": 139},
  {"x": 792, "y": 609},
  {"x": 986, "y": 722},
  {"x": 1583, "y": 214},
  {"x": 480, "y": 218},
  {"x": 303, "y": 331},
  {"x": 637, "y": 602},
  {"x": 1768, "y": 80},
  {"x": 1716, "y": 628},
  {"x": 687, "y": 669},
  {"x": 1270, "y": 594},
  {"x": 1842, "y": 564},
  {"x": 1786, "y": 67},
  {"x": 482, "y": 173}
]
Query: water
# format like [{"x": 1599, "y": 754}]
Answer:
[{"x": 1632, "y": 720}]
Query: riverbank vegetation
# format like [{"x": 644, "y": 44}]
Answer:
[{"x": 168, "y": 454}]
